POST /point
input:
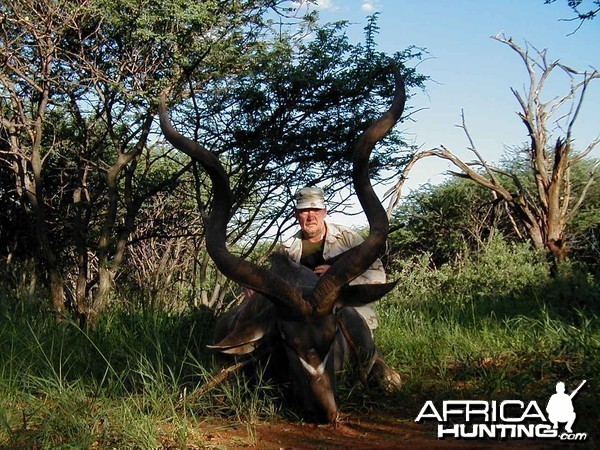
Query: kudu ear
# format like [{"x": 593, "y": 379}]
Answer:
[
  {"x": 242, "y": 329},
  {"x": 241, "y": 342},
  {"x": 362, "y": 294}
]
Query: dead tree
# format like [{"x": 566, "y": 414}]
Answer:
[{"x": 540, "y": 214}]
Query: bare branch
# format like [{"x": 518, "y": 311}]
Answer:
[
  {"x": 219, "y": 378},
  {"x": 584, "y": 84},
  {"x": 472, "y": 148},
  {"x": 512, "y": 220},
  {"x": 544, "y": 215},
  {"x": 586, "y": 152},
  {"x": 584, "y": 192},
  {"x": 396, "y": 191}
]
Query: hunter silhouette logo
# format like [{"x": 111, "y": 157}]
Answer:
[
  {"x": 506, "y": 419},
  {"x": 560, "y": 407}
]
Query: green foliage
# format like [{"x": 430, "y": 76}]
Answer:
[
  {"x": 442, "y": 221},
  {"x": 126, "y": 384},
  {"x": 583, "y": 229},
  {"x": 291, "y": 118},
  {"x": 77, "y": 107},
  {"x": 281, "y": 110},
  {"x": 499, "y": 271}
]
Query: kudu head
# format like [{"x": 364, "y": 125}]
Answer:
[{"x": 295, "y": 307}]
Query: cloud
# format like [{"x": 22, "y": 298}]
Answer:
[
  {"x": 369, "y": 6},
  {"x": 326, "y": 4}
]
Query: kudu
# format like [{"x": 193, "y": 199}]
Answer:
[{"x": 306, "y": 319}]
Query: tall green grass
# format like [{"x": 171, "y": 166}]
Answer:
[
  {"x": 494, "y": 325},
  {"x": 491, "y": 325},
  {"x": 122, "y": 385}
]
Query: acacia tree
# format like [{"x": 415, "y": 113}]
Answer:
[
  {"x": 291, "y": 118},
  {"x": 583, "y": 11},
  {"x": 288, "y": 121},
  {"x": 540, "y": 214},
  {"x": 78, "y": 85},
  {"x": 444, "y": 221}
]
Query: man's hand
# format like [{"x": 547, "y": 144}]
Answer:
[{"x": 320, "y": 270}]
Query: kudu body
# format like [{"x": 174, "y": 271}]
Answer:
[{"x": 296, "y": 315}]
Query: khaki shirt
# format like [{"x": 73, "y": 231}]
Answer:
[{"x": 338, "y": 239}]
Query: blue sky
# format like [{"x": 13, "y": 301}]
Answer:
[{"x": 472, "y": 72}]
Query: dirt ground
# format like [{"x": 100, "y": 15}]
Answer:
[{"x": 376, "y": 431}]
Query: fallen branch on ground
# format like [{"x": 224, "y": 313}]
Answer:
[{"x": 220, "y": 377}]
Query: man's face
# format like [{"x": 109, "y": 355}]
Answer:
[{"x": 312, "y": 222}]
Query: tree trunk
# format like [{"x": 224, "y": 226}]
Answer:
[
  {"x": 558, "y": 249},
  {"x": 100, "y": 297},
  {"x": 46, "y": 254},
  {"x": 57, "y": 293}
]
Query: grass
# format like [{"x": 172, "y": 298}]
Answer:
[
  {"x": 491, "y": 326},
  {"x": 494, "y": 326},
  {"x": 122, "y": 385}
]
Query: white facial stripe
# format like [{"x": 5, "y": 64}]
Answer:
[{"x": 320, "y": 370}]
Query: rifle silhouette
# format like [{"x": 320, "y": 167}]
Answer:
[{"x": 572, "y": 394}]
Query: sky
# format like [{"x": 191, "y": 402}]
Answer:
[{"x": 471, "y": 72}]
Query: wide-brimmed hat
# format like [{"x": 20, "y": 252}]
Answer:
[{"x": 310, "y": 198}]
